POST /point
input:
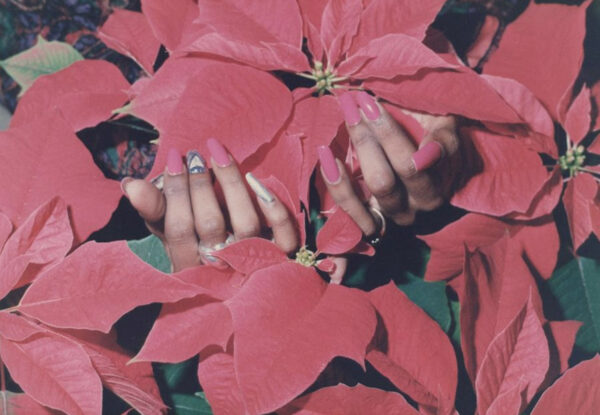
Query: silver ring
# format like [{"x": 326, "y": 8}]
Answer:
[
  {"x": 206, "y": 251},
  {"x": 382, "y": 225}
]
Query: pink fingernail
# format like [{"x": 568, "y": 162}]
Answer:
[
  {"x": 124, "y": 185},
  {"x": 328, "y": 165},
  {"x": 368, "y": 105},
  {"x": 427, "y": 156},
  {"x": 218, "y": 152},
  {"x": 349, "y": 108},
  {"x": 174, "y": 162}
]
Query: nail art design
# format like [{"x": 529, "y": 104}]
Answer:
[
  {"x": 329, "y": 165},
  {"x": 349, "y": 108},
  {"x": 174, "y": 162},
  {"x": 158, "y": 181},
  {"x": 257, "y": 187},
  {"x": 195, "y": 162},
  {"x": 368, "y": 105},
  {"x": 218, "y": 152},
  {"x": 427, "y": 156}
]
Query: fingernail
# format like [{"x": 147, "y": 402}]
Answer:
[
  {"x": 329, "y": 165},
  {"x": 196, "y": 164},
  {"x": 218, "y": 152},
  {"x": 158, "y": 181},
  {"x": 124, "y": 185},
  {"x": 368, "y": 105},
  {"x": 427, "y": 155},
  {"x": 349, "y": 108},
  {"x": 174, "y": 162},
  {"x": 257, "y": 187}
]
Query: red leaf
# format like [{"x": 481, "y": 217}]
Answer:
[
  {"x": 421, "y": 364},
  {"x": 185, "y": 328},
  {"x": 501, "y": 188},
  {"x": 275, "y": 328},
  {"x": 546, "y": 199},
  {"x": 578, "y": 120},
  {"x": 70, "y": 93},
  {"x": 551, "y": 58},
  {"x": 390, "y": 56},
  {"x": 346, "y": 400},
  {"x": 16, "y": 328},
  {"x": 339, "y": 24},
  {"x": 169, "y": 20},
  {"x": 446, "y": 92},
  {"x": 339, "y": 234},
  {"x": 33, "y": 168},
  {"x": 82, "y": 292},
  {"x": 43, "y": 239},
  {"x": 217, "y": 283},
  {"x": 312, "y": 13},
  {"x": 561, "y": 338},
  {"x": 582, "y": 207},
  {"x": 22, "y": 404},
  {"x": 217, "y": 377},
  {"x": 517, "y": 358},
  {"x": 483, "y": 41},
  {"x": 576, "y": 392},
  {"x": 252, "y": 254},
  {"x": 382, "y": 17},
  {"x": 130, "y": 34},
  {"x": 6, "y": 229},
  {"x": 479, "y": 231},
  {"x": 55, "y": 372}
]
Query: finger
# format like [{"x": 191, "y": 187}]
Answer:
[
  {"x": 341, "y": 190},
  {"x": 407, "y": 163},
  {"x": 179, "y": 220},
  {"x": 378, "y": 175},
  {"x": 148, "y": 201},
  {"x": 341, "y": 264},
  {"x": 243, "y": 216},
  {"x": 208, "y": 218},
  {"x": 277, "y": 216}
]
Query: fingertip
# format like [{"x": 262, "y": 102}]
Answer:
[{"x": 145, "y": 198}]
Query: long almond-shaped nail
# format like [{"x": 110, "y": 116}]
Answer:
[
  {"x": 124, "y": 185},
  {"x": 218, "y": 152},
  {"x": 257, "y": 187},
  {"x": 328, "y": 165},
  {"x": 349, "y": 108},
  {"x": 427, "y": 155},
  {"x": 368, "y": 105},
  {"x": 174, "y": 162},
  {"x": 196, "y": 164}
]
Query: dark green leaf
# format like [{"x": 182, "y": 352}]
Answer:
[
  {"x": 151, "y": 250},
  {"x": 190, "y": 405}
]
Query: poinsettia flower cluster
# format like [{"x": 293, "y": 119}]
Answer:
[{"x": 267, "y": 328}]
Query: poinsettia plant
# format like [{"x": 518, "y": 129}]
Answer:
[{"x": 490, "y": 311}]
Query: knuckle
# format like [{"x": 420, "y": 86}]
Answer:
[
  {"x": 362, "y": 137},
  {"x": 200, "y": 182},
  {"x": 179, "y": 233},
  {"x": 288, "y": 246},
  {"x": 175, "y": 189},
  {"x": 405, "y": 218},
  {"x": 279, "y": 218},
  {"x": 382, "y": 184},
  {"x": 247, "y": 230},
  {"x": 211, "y": 226}
]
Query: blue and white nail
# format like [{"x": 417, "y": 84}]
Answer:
[
  {"x": 257, "y": 187},
  {"x": 196, "y": 164},
  {"x": 158, "y": 181}
]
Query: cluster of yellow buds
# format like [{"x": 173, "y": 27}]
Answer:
[{"x": 573, "y": 160}]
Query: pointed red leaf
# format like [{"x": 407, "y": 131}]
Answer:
[
  {"x": 546, "y": 198},
  {"x": 82, "y": 292},
  {"x": 184, "y": 328},
  {"x": 249, "y": 255},
  {"x": 501, "y": 188},
  {"x": 71, "y": 91},
  {"x": 33, "y": 169},
  {"x": 561, "y": 339},
  {"x": 446, "y": 92},
  {"x": 16, "y": 328},
  {"x": 339, "y": 234},
  {"x": 22, "y": 404},
  {"x": 483, "y": 41},
  {"x": 275, "y": 328},
  {"x": 517, "y": 356},
  {"x": 6, "y": 229},
  {"x": 576, "y": 392},
  {"x": 339, "y": 24},
  {"x": 130, "y": 34},
  {"x": 311, "y": 17},
  {"x": 43, "y": 239},
  {"x": 578, "y": 120},
  {"x": 217, "y": 377},
  {"x": 550, "y": 59},
  {"x": 217, "y": 283},
  {"x": 390, "y": 56},
  {"x": 582, "y": 207},
  {"x": 55, "y": 372},
  {"x": 421, "y": 364},
  {"x": 346, "y": 400},
  {"x": 382, "y": 17},
  {"x": 170, "y": 20}
]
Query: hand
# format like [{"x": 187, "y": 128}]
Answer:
[
  {"x": 186, "y": 214},
  {"x": 401, "y": 178}
]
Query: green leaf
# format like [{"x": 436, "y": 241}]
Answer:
[
  {"x": 576, "y": 287},
  {"x": 42, "y": 59},
  {"x": 175, "y": 374},
  {"x": 430, "y": 296},
  {"x": 190, "y": 405},
  {"x": 151, "y": 251},
  {"x": 455, "y": 328}
]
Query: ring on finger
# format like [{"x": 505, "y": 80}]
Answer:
[
  {"x": 382, "y": 225},
  {"x": 206, "y": 251}
]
